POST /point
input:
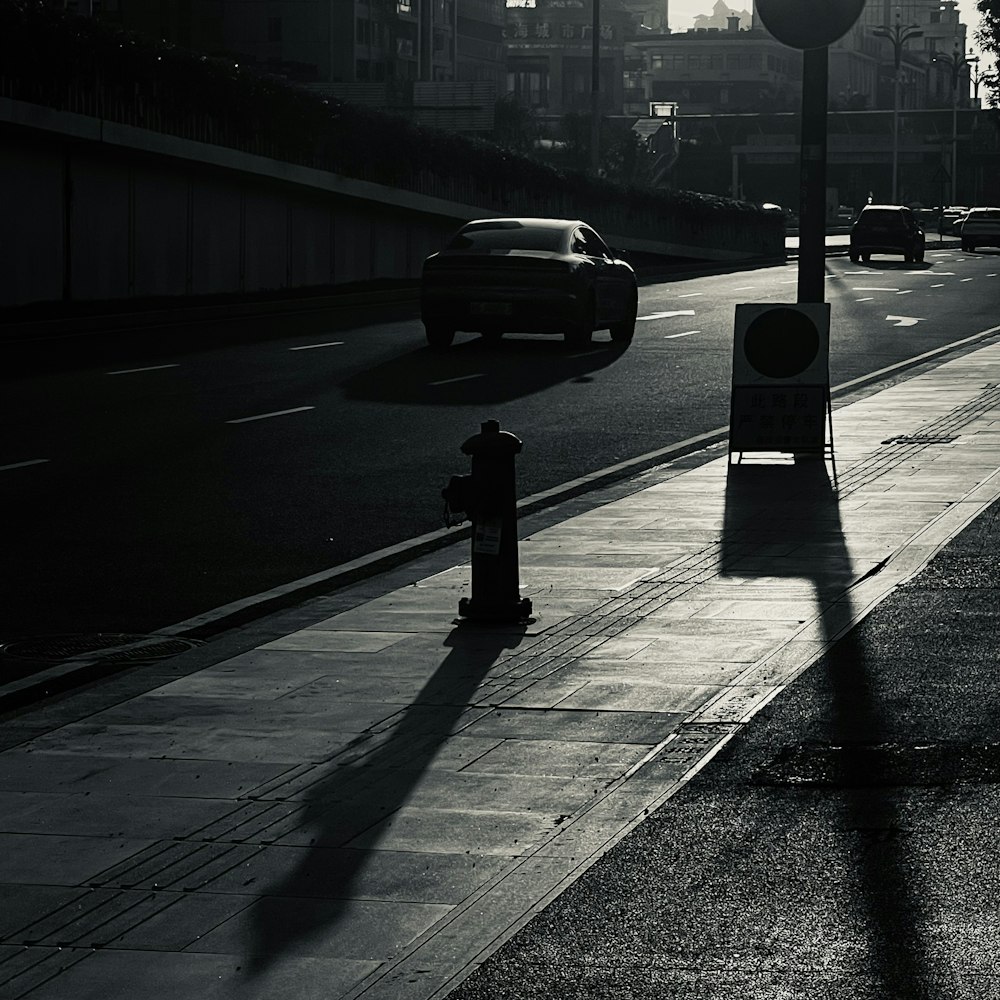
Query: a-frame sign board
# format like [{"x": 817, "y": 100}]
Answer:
[{"x": 781, "y": 379}]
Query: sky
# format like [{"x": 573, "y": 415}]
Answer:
[{"x": 682, "y": 13}]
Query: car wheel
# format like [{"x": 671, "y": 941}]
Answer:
[
  {"x": 908, "y": 258},
  {"x": 438, "y": 335},
  {"x": 854, "y": 257},
  {"x": 919, "y": 256},
  {"x": 582, "y": 331},
  {"x": 623, "y": 332},
  {"x": 866, "y": 257}
]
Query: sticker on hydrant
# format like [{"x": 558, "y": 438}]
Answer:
[{"x": 487, "y": 536}]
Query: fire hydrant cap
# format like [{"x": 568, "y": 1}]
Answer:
[{"x": 492, "y": 441}]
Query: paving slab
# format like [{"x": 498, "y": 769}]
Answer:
[{"x": 371, "y": 800}]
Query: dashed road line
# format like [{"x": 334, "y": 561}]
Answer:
[
  {"x": 905, "y": 291},
  {"x": 312, "y": 347},
  {"x": 150, "y": 368},
  {"x": 938, "y": 286},
  {"x": 462, "y": 378},
  {"x": 688, "y": 295},
  {"x": 22, "y": 465},
  {"x": 966, "y": 279},
  {"x": 867, "y": 289},
  {"x": 667, "y": 314},
  {"x": 870, "y": 298},
  {"x": 672, "y": 336},
  {"x": 265, "y": 416}
]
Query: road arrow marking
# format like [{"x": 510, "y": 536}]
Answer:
[
  {"x": 667, "y": 315},
  {"x": 903, "y": 320}
]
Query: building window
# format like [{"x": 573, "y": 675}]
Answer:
[
  {"x": 530, "y": 87},
  {"x": 656, "y": 62},
  {"x": 404, "y": 47}
]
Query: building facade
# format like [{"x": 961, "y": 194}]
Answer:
[{"x": 549, "y": 45}]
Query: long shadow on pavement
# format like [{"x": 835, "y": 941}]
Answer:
[
  {"x": 810, "y": 545},
  {"x": 358, "y": 796}
]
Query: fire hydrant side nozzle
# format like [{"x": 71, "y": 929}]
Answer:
[{"x": 489, "y": 496}]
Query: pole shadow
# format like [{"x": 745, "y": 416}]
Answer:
[
  {"x": 791, "y": 514},
  {"x": 378, "y": 774}
]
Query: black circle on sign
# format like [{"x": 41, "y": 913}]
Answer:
[{"x": 781, "y": 343}]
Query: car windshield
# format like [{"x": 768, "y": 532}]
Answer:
[
  {"x": 884, "y": 217},
  {"x": 508, "y": 236}
]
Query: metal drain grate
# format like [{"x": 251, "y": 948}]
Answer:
[
  {"x": 873, "y": 765},
  {"x": 921, "y": 439},
  {"x": 109, "y": 647}
]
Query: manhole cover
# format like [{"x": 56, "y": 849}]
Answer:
[{"x": 110, "y": 647}]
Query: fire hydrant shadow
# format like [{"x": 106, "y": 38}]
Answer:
[
  {"x": 350, "y": 807},
  {"x": 783, "y": 522}
]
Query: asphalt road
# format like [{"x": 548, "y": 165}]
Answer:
[{"x": 145, "y": 484}]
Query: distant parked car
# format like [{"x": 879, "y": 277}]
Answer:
[
  {"x": 980, "y": 227},
  {"x": 528, "y": 276},
  {"x": 949, "y": 217},
  {"x": 886, "y": 229}
]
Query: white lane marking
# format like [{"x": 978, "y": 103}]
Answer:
[
  {"x": 993, "y": 274},
  {"x": 874, "y": 289},
  {"x": 934, "y": 274},
  {"x": 904, "y": 320},
  {"x": 463, "y": 378},
  {"x": 965, "y": 279},
  {"x": 688, "y": 295},
  {"x": 21, "y": 465},
  {"x": 870, "y": 298},
  {"x": 905, "y": 291},
  {"x": 846, "y": 273},
  {"x": 310, "y": 347},
  {"x": 744, "y": 288},
  {"x": 668, "y": 314},
  {"x": 582, "y": 354},
  {"x": 265, "y": 416},
  {"x": 938, "y": 286},
  {"x": 151, "y": 368},
  {"x": 671, "y": 336}
]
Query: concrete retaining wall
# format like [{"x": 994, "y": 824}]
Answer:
[{"x": 98, "y": 211}]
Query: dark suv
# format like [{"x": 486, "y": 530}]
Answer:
[{"x": 886, "y": 229}]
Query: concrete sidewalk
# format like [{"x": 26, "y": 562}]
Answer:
[{"x": 364, "y": 798}]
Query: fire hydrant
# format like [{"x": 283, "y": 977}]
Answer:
[{"x": 488, "y": 497}]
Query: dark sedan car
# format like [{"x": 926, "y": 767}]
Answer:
[
  {"x": 887, "y": 229},
  {"x": 501, "y": 276}
]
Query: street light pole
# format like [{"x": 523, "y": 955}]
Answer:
[
  {"x": 956, "y": 62},
  {"x": 595, "y": 89},
  {"x": 898, "y": 36}
]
